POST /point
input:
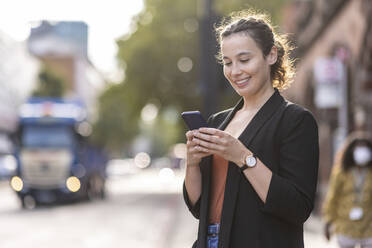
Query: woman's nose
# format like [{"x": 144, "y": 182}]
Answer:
[{"x": 235, "y": 70}]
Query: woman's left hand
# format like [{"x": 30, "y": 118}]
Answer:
[{"x": 215, "y": 141}]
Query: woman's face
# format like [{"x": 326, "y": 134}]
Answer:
[
  {"x": 245, "y": 66},
  {"x": 362, "y": 155}
]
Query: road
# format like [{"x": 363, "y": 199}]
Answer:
[{"x": 143, "y": 210}]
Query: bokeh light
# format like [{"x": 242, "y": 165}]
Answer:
[
  {"x": 84, "y": 129},
  {"x": 149, "y": 113},
  {"x": 142, "y": 160},
  {"x": 185, "y": 64},
  {"x": 166, "y": 174},
  {"x": 191, "y": 25},
  {"x": 179, "y": 150}
]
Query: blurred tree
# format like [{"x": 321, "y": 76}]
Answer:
[
  {"x": 49, "y": 84},
  {"x": 160, "y": 57},
  {"x": 115, "y": 125},
  {"x": 273, "y": 8}
]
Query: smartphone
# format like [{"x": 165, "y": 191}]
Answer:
[{"x": 194, "y": 120}]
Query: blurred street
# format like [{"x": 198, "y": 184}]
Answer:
[
  {"x": 85, "y": 94},
  {"x": 142, "y": 210}
]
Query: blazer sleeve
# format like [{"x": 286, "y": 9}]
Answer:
[
  {"x": 194, "y": 209},
  {"x": 292, "y": 189}
]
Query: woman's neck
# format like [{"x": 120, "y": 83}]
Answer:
[{"x": 255, "y": 102}]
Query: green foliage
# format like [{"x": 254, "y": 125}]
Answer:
[
  {"x": 271, "y": 7},
  {"x": 115, "y": 125},
  {"x": 153, "y": 51},
  {"x": 49, "y": 84},
  {"x": 160, "y": 37},
  {"x": 150, "y": 56}
]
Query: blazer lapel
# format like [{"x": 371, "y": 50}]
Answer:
[
  {"x": 228, "y": 118},
  {"x": 233, "y": 173},
  {"x": 206, "y": 167}
]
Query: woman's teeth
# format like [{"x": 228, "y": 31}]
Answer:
[{"x": 242, "y": 81}]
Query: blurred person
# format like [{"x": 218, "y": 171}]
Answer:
[
  {"x": 348, "y": 204},
  {"x": 251, "y": 175}
]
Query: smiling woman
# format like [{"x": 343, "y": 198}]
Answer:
[{"x": 251, "y": 175}]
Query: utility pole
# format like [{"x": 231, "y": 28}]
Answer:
[
  {"x": 208, "y": 65},
  {"x": 342, "y": 55}
]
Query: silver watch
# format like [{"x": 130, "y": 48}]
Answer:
[{"x": 250, "y": 161}]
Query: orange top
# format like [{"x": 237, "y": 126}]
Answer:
[{"x": 219, "y": 173}]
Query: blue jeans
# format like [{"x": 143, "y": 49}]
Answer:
[{"x": 212, "y": 239}]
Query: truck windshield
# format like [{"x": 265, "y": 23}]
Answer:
[{"x": 47, "y": 136}]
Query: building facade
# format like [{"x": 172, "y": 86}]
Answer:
[
  {"x": 327, "y": 34},
  {"x": 63, "y": 46}
]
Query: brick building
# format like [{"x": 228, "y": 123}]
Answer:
[{"x": 329, "y": 29}]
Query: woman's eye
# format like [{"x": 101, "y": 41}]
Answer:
[
  {"x": 226, "y": 63},
  {"x": 244, "y": 60}
]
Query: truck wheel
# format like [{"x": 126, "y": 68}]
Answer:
[
  {"x": 90, "y": 190},
  {"x": 102, "y": 193},
  {"x": 28, "y": 202},
  {"x": 95, "y": 188}
]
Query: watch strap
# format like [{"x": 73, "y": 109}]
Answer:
[{"x": 243, "y": 168}]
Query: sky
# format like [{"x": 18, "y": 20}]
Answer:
[{"x": 107, "y": 20}]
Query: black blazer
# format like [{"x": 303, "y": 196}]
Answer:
[{"x": 284, "y": 136}]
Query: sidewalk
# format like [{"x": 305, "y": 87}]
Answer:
[
  {"x": 313, "y": 228},
  {"x": 4, "y": 183},
  {"x": 313, "y": 234}
]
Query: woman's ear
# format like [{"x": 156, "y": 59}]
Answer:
[{"x": 272, "y": 56}]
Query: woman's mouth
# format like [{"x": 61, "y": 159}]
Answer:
[{"x": 242, "y": 83}]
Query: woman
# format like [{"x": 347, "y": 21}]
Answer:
[
  {"x": 251, "y": 176},
  {"x": 348, "y": 204}
]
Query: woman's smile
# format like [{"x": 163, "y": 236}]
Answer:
[{"x": 242, "y": 83}]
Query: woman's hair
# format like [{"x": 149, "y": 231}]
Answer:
[
  {"x": 258, "y": 27},
  {"x": 345, "y": 156}
]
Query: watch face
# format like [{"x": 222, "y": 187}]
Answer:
[{"x": 251, "y": 161}]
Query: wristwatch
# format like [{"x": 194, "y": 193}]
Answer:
[{"x": 250, "y": 161}]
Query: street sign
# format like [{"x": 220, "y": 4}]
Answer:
[{"x": 329, "y": 74}]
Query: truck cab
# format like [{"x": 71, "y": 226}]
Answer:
[{"x": 55, "y": 161}]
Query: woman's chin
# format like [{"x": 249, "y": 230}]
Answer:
[{"x": 246, "y": 91}]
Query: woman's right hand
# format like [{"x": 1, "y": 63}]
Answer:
[
  {"x": 327, "y": 231},
  {"x": 193, "y": 156}
]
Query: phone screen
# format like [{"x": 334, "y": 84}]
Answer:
[{"x": 194, "y": 120}]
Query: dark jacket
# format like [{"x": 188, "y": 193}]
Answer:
[{"x": 284, "y": 136}]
